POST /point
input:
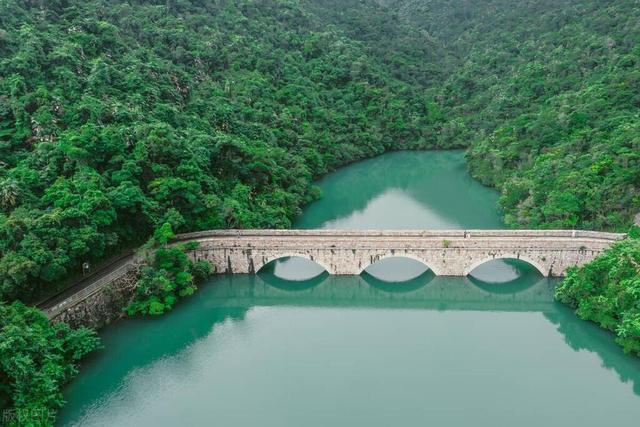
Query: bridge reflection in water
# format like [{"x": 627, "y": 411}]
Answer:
[
  {"x": 400, "y": 283},
  {"x": 232, "y": 298},
  {"x": 528, "y": 291},
  {"x": 532, "y": 292}
]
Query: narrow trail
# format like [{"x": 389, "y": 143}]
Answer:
[{"x": 85, "y": 282}]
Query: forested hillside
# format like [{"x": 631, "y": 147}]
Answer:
[
  {"x": 405, "y": 52},
  {"x": 546, "y": 94},
  {"x": 116, "y": 117}
]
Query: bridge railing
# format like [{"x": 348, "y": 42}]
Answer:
[{"x": 404, "y": 233}]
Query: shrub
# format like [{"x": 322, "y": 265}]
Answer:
[
  {"x": 36, "y": 359},
  {"x": 168, "y": 275},
  {"x": 607, "y": 291}
]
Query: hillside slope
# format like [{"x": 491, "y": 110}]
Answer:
[
  {"x": 546, "y": 93},
  {"x": 118, "y": 116}
]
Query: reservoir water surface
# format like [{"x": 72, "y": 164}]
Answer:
[{"x": 293, "y": 346}]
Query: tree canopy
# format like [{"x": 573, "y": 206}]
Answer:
[
  {"x": 120, "y": 118},
  {"x": 116, "y": 117},
  {"x": 546, "y": 95},
  {"x": 36, "y": 359}
]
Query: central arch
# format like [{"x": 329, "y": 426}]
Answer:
[
  {"x": 405, "y": 286},
  {"x": 402, "y": 255},
  {"x": 289, "y": 285},
  {"x": 266, "y": 260},
  {"x": 541, "y": 269}
]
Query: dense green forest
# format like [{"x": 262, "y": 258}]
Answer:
[
  {"x": 167, "y": 276},
  {"x": 36, "y": 359},
  {"x": 546, "y": 94},
  {"x": 118, "y": 117}
]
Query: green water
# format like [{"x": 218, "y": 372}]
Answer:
[{"x": 394, "y": 346}]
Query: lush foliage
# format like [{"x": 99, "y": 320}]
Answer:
[
  {"x": 36, "y": 359},
  {"x": 607, "y": 291},
  {"x": 546, "y": 94},
  {"x": 168, "y": 274},
  {"x": 408, "y": 55},
  {"x": 116, "y": 117}
]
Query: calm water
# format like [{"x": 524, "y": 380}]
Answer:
[{"x": 394, "y": 346}]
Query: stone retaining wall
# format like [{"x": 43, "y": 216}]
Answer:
[{"x": 100, "y": 307}]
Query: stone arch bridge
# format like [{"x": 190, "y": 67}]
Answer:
[
  {"x": 99, "y": 298},
  {"x": 445, "y": 252}
]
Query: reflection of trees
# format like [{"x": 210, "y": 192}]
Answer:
[
  {"x": 530, "y": 292},
  {"x": 134, "y": 343},
  {"x": 137, "y": 343},
  {"x": 351, "y": 189},
  {"x": 583, "y": 335}
]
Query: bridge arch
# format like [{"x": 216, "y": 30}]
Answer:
[
  {"x": 512, "y": 287},
  {"x": 377, "y": 259},
  {"x": 266, "y": 260},
  {"x": 293, "y": 285},
  {"x": 405, "y": 286},
  {"x": 534, "y": 263}
]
